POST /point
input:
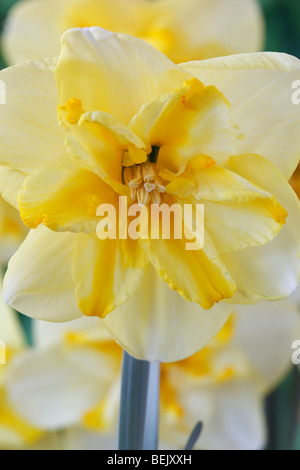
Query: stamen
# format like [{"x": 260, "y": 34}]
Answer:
[
  {"x": 137, "y": 177},
  {"x": 133, "y": 194},
  {"x": 148, "y": 170},
  {"x": 155, "y": 197},
  {"x": 142, "y": 196},
  {"x": 128, "y": 175},
  {"x": 160, "y": 188},
  {"x": 144, "y": 183}
]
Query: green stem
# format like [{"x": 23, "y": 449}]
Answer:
[{"x": 138, "y": 420}]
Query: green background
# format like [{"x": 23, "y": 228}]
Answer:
[{"x": 282, "y": 407}]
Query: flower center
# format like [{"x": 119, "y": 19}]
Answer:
[{"x": 144, "y": 183}]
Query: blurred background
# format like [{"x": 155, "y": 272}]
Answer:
[{"x": 282, "y": 406}]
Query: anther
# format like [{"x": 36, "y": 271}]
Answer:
[{"x": 144, "y": 183}]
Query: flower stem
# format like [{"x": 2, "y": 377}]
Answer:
[{"x": 138, "y": 420}]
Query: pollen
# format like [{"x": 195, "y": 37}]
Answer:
[{"x": 144, "y": 183}]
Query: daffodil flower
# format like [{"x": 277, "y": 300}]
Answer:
[
  {"x": 71, "y": 381},
  {"x": 182, "y": 29},
  {"x": 15, "y": 432},
  {"x": 222, "y": 132}
]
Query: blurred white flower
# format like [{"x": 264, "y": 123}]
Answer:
[
  {"x": 182, "y": 29},
  {"x": 14, "y": 431},
  {"x": 71, "y": 380}
]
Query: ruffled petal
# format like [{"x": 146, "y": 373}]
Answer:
[
  {"x": 196, "y": 272},
  {"x": 105, "y": 273},
  {"x": 186, "y": 123},
  {"x": 233, "y": 227},
  {"x": 97, "y": 142},
  {"x": 64, "y": 197},
  {"x": 217, "y": 184}
]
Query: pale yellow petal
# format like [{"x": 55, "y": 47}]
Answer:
[
  {"x": 64, "y": 197},
  {"x": 273, "y": 269},
  {"x": 12, "y": 231},
  {"x": 43, "y": 287},
  {"x": 58, "y": 385},
  {"x": 119, "y": 132},
  {"x": 186, "y": 123},
  {"x": 214, "y": 183},
  {"x": 93, "y": 149},
  {"x": 29, "y": 131},
  {"x": 181, "y": 29},
  {"x": 156, "y": 111},
  {"x": 157, "y": 324},
  {"x": 100, "y": 142},
  {"x": 234, "y": 227},
  {"x": 11, "y": 181},
  {"x": 104, "y": 277},
  {"x": 11, "y": 331},
  {"x": 198, "y": 275},
  {"x": 259, "y": 90},
  {"x": 15, "y": 432},
  {"x": 106, "y": 61}
]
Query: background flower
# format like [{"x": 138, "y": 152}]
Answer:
[
  {"x": 182, "y": 29},
  {"x": 15, "y": 432},
  {"x": 224, "y": 385}
]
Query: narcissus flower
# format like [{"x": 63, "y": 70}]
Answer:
[
  {"x": 222, "y": 132},
  {"x": 71, "y": 380},
  {"x": 182, "y": 29},
  {"x": 15, "y": 432}
]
